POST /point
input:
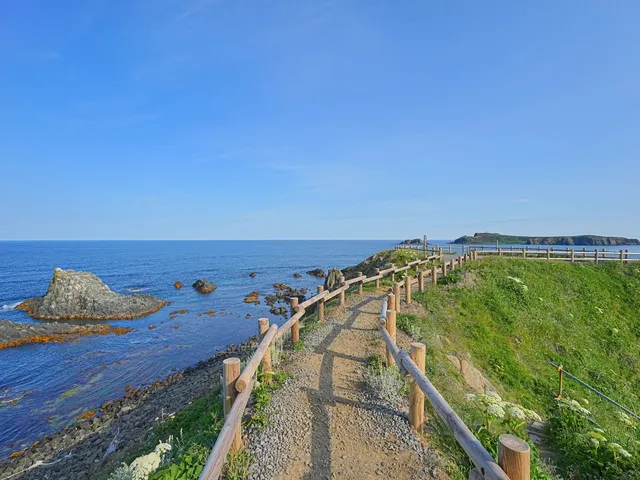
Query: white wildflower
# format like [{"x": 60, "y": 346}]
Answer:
[
  {"x": 531, "y": 415},
  {"x": 594, "y": 441},
  {"x": 599, "y": 430},
  {"x": 515, "y": 413},
  {"x": 619, "y": 450},
  {"x": 597, "y": 435},
  {"x": 614, "y": 331},
  {"x": 584, "y": 402},
  {"x": 515, "y": 279},
  {"x": 495, "y": 411},
  {"x": 145, "y": 465},
  {"x": 624, "y": 418},
  {"x": 525, "y": 288},
  {"x": 470, "y": 397}
]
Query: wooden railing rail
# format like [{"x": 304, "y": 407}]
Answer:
[
  {"x": 237, "y": 386},
  {"x": 563, "y": 255},
  {"x": 486, "y": 465}
]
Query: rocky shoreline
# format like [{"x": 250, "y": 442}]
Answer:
[
  {"x": 14, "y": 334},
  {"x": 84, "y": 449}
]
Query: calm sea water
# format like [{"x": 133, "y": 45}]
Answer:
[{"x": 56, "y": 382}]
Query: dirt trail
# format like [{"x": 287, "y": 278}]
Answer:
[{"x": 328, "y": 424}]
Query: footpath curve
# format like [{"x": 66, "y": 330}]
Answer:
[{"x": 326, "y": 423}]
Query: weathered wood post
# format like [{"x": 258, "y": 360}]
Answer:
[
  {"x": 595, "y": 252},
  {"x": 377, "y": 279},
  {"x": 524, "y": 252},
  {"x": 548, "y": 254},
  {"x": 573, "y": 259},
  {"x": 416, "y": 397},
  {"x": 514, "y": 457},
  {"x": 342, "y": 297},
  {"x": 391, "y": 329},
  {"x": 627, "y": 255},
  {"x": 434, "y": 275},
  {"x": 444, "y": 269},
  {"x": 621, "y": 256},
  {"x": 263, "y": 327},
  {"x": 407, "y": 289},
  {"x": 424, "y": 245},
  {"x": 499, "y": 251},
  {"x": 421, "y": 281},
  {"x": 321, "y": 305},
  {"x": 230, "y": 373},
  {"x": 393, "y": 274},
  {"x": 295, "y": 328},
  {"x": 360, "y": 284},
  {"x": 396, "y": 292},
  {"x": 452, "y": 266}
]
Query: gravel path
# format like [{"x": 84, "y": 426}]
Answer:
[{"x": 325, "y": 423}]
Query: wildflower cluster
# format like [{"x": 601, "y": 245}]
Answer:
[
  {"x": 572, "y": 405},
  {"x": 519, "y": 282},
  {"x": 143, "y": 466},
  {"x": 495, "y": 408}
]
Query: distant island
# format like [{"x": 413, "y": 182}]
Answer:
[{"x": 593, "y": 240}]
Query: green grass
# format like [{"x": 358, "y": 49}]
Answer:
[{"x": 583, "y": 316}]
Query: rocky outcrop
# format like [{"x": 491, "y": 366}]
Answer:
[
  {"x": 204, "y": 286},
  {"x": 14, "y": 334},
  {"x": 297, "y": 275},
  {"x": 472, "y": 376},
  {"x": 253, "y": 297},
  {"x": 333, "y": 280},
  {"x": 317, "y": 272},
  {"x": 280, "y": 300},
  {"x": 253, "y": 274},
  {"x": 178, "y": 285},
  {"x": 82, "y": 295}
]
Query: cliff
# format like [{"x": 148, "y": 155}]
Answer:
[{"x": 592, "y": 240}]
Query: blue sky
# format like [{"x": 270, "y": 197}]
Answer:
[{"x": 205, "y": 119}]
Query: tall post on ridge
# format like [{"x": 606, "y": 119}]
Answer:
[
  {"x": 295, "y": 328},
  {"x": 391, "y": 329},
  {"x": 424, "y": 245},
  {"x": 514, "y": 457},
  {"x": 320, "y": 305},
  {"x": 263, "y": 327},
  {"x": 416, "y": 397},
  {"x": 342, "y": 299},
  {"x": 230, "y": 373},
  {"x": 407, "y": 289}
]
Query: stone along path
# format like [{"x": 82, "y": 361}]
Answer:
[{"x": 325, "y": 423}]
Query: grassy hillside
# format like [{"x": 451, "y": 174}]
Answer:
[{"x": 512, "y": 317}]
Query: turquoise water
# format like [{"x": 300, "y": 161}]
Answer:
[{"x": 56, "y": 382}]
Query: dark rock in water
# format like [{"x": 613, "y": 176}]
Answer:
[
  {"x": 253, "y": 274},
  {"x": 178, "y": 285},
  {"x": 14, "y": 334},
  {"x": 317, "y": 272},
  {"x": 333, "y": 280},
  {"x": 82, "y": 295},
  {"x": 204, "y": 286},
  {"x": 253, "y": 297},
  {"x": 296, "y": 275},
  {"x": 279, "y": 311}
]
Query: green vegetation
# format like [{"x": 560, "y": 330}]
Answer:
[
  {"x": 492, "y": 238},
  {"x": 512, "y": 317}
]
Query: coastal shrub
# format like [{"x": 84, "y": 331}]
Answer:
[
  {"x": 237, "y": 465},
  {"x": 385, "y": 382}
]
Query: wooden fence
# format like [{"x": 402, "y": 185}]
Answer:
[
  {"x": 513, "y": 453},
  {"x": 237, "y": 385},
  {"x": 562, "y": 254}
]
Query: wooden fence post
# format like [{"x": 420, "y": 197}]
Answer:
[
  {"x": 596, "y": 254},
  {"x": 499, "y": 251},
  {"x": 421, "y": 281},
  {"x": 434, "y": 275},
  {"x": 321, "y": 305},
  {"x": 391, "y": 328},
  {"x": 621, "y": 256},
  {"x": 416, "y": 397},
  {"x": 444, "y": 269},
  {"x": 360, "y": 284},
  {"x": 407, "y": 289},
  {"x": 263, "y": 327},
  {"x": 393, "y": 274},
  {"x": 453, "y": 264},
  {"x": 548, "y": 254},
  {"x": 514, "y": 457},
  {"x": 295, "y": 328},
  {"x": 396, "y": 293},
  {"x": 573, "y": 258},
  {"x": 377, "y": 279},
  {"x": 627, "y": 255},
  {"x": 342, "y": 297},
  {"x": 230, "y": 373}
]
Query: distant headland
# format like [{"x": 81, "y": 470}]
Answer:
[{"x": 491, "y": 238}]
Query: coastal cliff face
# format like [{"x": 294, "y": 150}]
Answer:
[
  {"x": 82, "y": 295},
  {"x": 588, "y": 240}
]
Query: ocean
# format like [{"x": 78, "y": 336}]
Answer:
[{"x": 51, "y": 384}]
